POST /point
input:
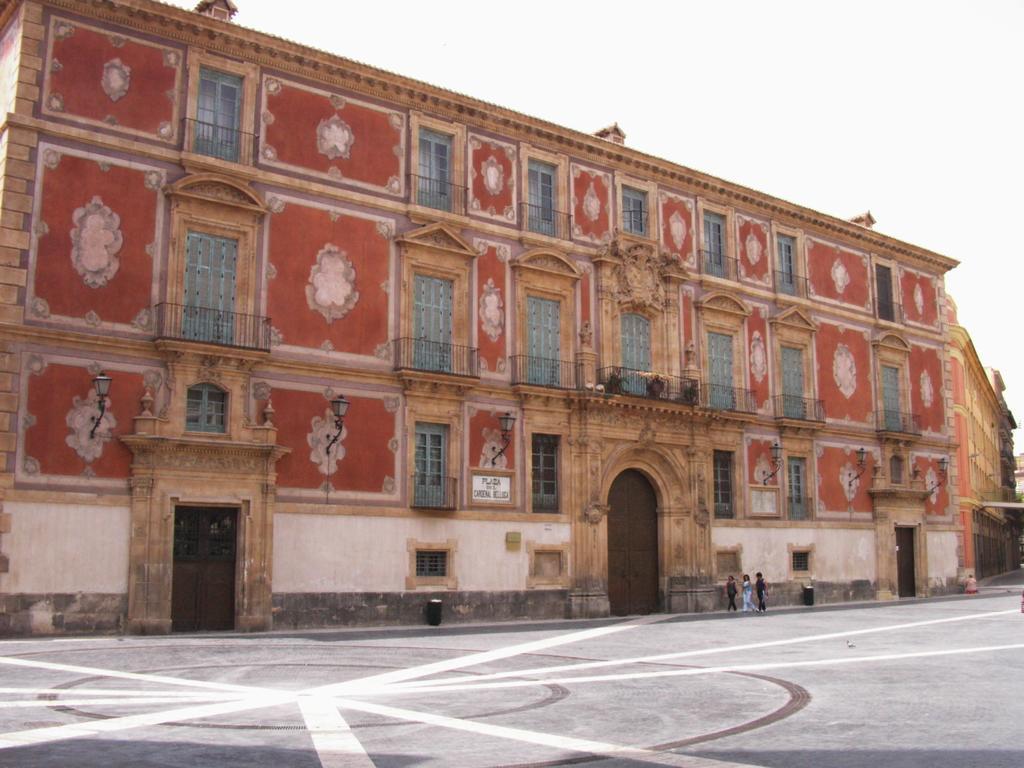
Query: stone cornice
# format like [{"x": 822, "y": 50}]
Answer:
[{"x": 311, "y": 63}]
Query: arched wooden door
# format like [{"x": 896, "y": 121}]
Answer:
[{"x": 632, "y": 545}]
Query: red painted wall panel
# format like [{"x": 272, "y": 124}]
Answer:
[
  {"x": 757, "y": 357},
  {"x": 752, "y": 248},
  {"x": 492, "y": 178},
  {"x": 77, "y": 80},
  {"x": 587, "y": 188},
  {"x": 369, "y": 427},
  {"x": 845, "y": 381},
  {"x": 51, "y": 397},
  {"x": 926, "y": 388},
  {"x": 838, "y": 275},
  {"x": 297, "y": 235},
  {"x": 490, "y": 314},
  {"x": 759, "y": 457},
  {"x": 937, "y": 502},
  {"x": 836, "y": 466},
  {"x": 677, "y": 227},
  {"x": 962, "y": 456},
  {"x": 73, "y": 184},
  {"x": 920, "y": 303},
  {"x": 485, "y": 439}
]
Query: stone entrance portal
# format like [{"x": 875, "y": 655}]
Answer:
[{"x": 632, "y": 545}]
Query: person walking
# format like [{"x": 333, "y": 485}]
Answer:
[
  {"x": 730, "y": 592},
  {"x": 762, "y": 593},
  {"x": 748, "y": 604}
]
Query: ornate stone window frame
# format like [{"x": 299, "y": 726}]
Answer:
[
  {"x": 548, "y": 274},
  {"x": 457, "y": 173},
  {"x": 799, "y": 257},
  {"x": 800, "y": 576},
  {"x": 562, "y": 201},
  {"x": 449, "y": 582},
  {"x": 731, "y": 442},
  {"x": 728, "y": 213},
  {"x": 650, "y": 189},
  {"x": 534, "y": 581},
  {"x": 199, "y": 59},
  {"x": 721, "y": 312},
  {"x": 892, "y": 349},
  {"x": 894, "y": 266},
  {"x": 794, "y": 447},
  {"x": 795, "y": 329},
  {"x": 734, "y": 549}
]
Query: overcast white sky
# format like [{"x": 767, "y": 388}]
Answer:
[{"x": 910, "y": 109}]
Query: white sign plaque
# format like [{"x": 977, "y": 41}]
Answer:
[{"x": 492, "y": 489}]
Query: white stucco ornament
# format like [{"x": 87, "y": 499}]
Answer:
[
  {"x": 322, "y": 429},
  {"x": 840, "y": 276},
  {"x": 492, "y": 311},
  {"x": 492, "y": 444},
  {"x": 331, "y": 289},
  {"x": 752, "y": 248},
  {"x": 927, "y": 390},
  {"x": 334, "y": 138},
  {"x": 844, "y": 370},
  {"x": 850, "y": 481},
  {"x": 493, "y": 175},
  {"x": 591, "y": 203},
  {"x": 677, "y": 229},
  {"x": 919, "y": 299},
  {"x": 95, "y": 242},
  {"x": 762, "y": 469},
  {"x": 758, "y": 358},
  {"x": 932, "y": 481},
  {"x": 117, "y": 78},
  {"x": 80, "y": 421}
]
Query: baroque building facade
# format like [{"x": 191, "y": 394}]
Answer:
[{"x": 579, "y": 380}]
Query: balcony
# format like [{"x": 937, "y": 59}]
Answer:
[
  {"x": 890, "y": 311},
  {"x": 544, "y": 220},
  {"x": 438, "y": 194},
  {"x": 717, "y": 264},
  {"x": 636, "y": 222},
  {"x": 790, "y": 284},
  {"x": 721, "y": 398},
  {"x": 542, "y": 372},
  {"x": 436, "y": 357},
  {"x": 220, "y": 141},
  {"x": 431, "y": 491},
  {"x": 212, "y": 326},
  {"x": 796, "y": 507},
  {"x": 799, "y": 408},
  {"x": 899, "y": 422},
  {"x": 617, "y": 380}
]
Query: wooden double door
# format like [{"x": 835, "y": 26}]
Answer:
[
  {"x": 203, "y": 582},
  {"x": 632, "y": 545},
  {"x": 905, "y": 562}
]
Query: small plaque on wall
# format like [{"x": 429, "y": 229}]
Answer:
[
  {"x": 492, "y": 489},
  {"x": 764, "y": 502}
]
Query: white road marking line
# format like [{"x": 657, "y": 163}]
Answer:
[
  {"x": 360, "y": 685},
  {"x": 94, "y": 671},
  {"x": 543, "y": 739},
  {"x": 688, "y": 654},
  {"x": 693, "y": 672},
  {"x": 335, "y": 744},
  {"x": 132, "y": 701},
  {"x": 116, "y": 692},
  {"x": 47, "y": 735}
]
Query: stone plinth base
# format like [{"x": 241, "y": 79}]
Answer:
[
  {"x": 693, "y": 599},
  {"x": 588, "y": 605}
]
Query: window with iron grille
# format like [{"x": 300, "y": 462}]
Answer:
[
  {"x": 545, "y": 473},
  {"x": 634, "y": 211},
  {"x": 205, "y": 408},
  {"x": 722, "y": 475},
  {"x": 801, "y": 562},
  {"x": 217, "y": 115},
  {"x": 431, "y": 563}
]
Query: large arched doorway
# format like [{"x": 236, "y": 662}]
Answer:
[{"x": 632, "y": 545}]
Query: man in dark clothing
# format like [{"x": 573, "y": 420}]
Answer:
[
  {"x": 762, "y": 593},
  {"x": 730, "y": 592}
]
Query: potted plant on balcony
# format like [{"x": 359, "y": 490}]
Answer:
[
  {"x": 613, "y": 385},
  {"x": 656, "y": 386}
]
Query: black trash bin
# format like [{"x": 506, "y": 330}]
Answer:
[
  {"x": 434, "y": 612},
  {"x": 808, "y": 595}
]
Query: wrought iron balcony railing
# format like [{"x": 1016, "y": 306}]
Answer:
[
  {"x": 545, "y": 220},
  {"x": 636, "y": 222},
  {"x": 437, "y": 193},
  {"x": 212, "y": 326},
  {"x": 898, "y": 421},
  {"x": 722, "y": 398},
  {"x": 617, "y": 380},
  {"x": 717, "y": 264},
  {"x": 542, "y": 372},
  {"x": 888, "y": 310},
  {"x": 436, "y": 356},
  {"x": 797, "y": 507},
  {"x": 431, "y": 491},
  {"x": 801, "y": 408},
  {"x": 723, "y": 510},
  {"x": 221, "y": 141},
  {"x": 790, "y": 284}
]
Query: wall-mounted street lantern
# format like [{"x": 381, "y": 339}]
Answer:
[
  {"x": 862, "y": 458},
  {"x": 776, "y": 462},
  {"x": 943, "y": 467},
  {"x": 101, "y": 383},
  {"x": 507, "y": 421},
  {"x": 339, "y": 407}
]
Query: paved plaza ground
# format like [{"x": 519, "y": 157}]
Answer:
[{"x": 935, "y": 683}]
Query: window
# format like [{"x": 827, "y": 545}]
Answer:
[
  {"x": 714, "y": 244},
  {"x": 801, "y": 561},
  {"x": 431, "y": 563},
  {"x": 217, "y": 115},
  {"x": 793, "y": 405},
  {"x": 796, "y": 474},
  {"x": 432, "y": 324},
  {"x": 434, "y": 188},
  {"x": 543, "y": 329},
  {"x": 721, "y": 394},
  {"x": 786, "y": 275},
  {"x": 209, "y": 306},
  {"x": 722, "y": 479},
  {"x": 545, "y": 473},
  {"x": 205, "y": 406},
  {"x": 896, "y": 469},
  {"x": 541, "y": 213},
  {"x": 891, "y": 417},
  {"x": 634, "y": 211},
  {"x": 431, "y": 487},
  {"x": 883, "y": 285},
  {"x": 636, "y": 352}
]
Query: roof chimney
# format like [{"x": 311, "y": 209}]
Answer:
[
  {"x": 217, "y": 9},
  {"x": 612, "y": 133},
  {"x": 865, "y": 220}
]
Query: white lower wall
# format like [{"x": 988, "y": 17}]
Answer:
[
  {"x": 839, "y": 555},
  {"x": 943, "y": 562},
  {"x": 350, "y": 553},
  {"x": 66, "y": 548}
]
